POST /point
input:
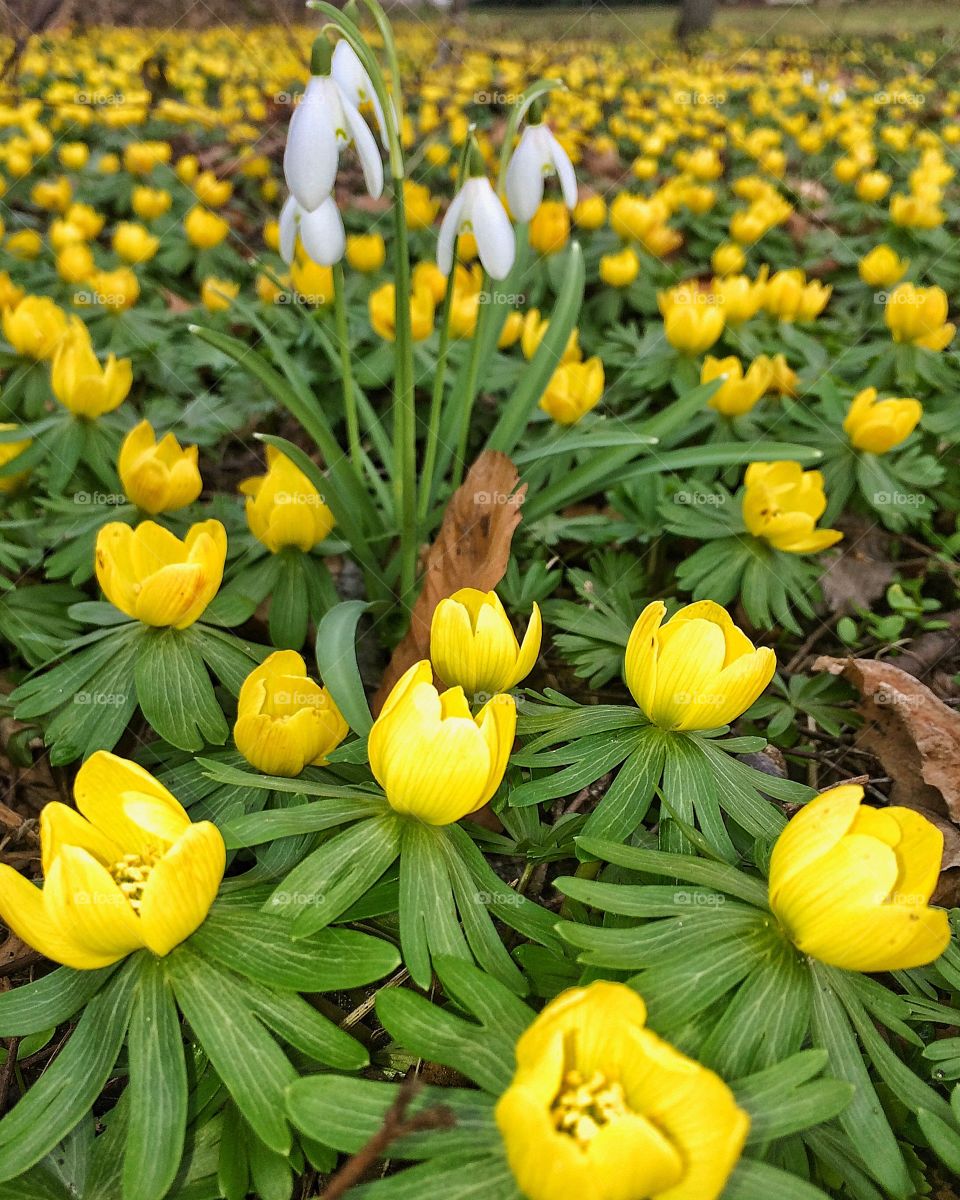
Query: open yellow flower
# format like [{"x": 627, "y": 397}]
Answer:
[
  {"x": 739, "y": 391},
  {"x": 134, "y": 243},
  {"x": 81, "y": 383},
  {"x": 790, "y": 297},
  {"x": 850, "y": 884},
  {"x": 693, "y": 318},
  {"x": 879, "y": 425},
  {"x": 697, "y": 671},
  {"x": 366, "y": 251},
  {"x": 601, "y": 1108},
  {"x": 34, "y": 326},
  {"x": 129, "y": 871},
  {"x": 152, "y": 576},
  {"x": 158, "y": 476},
  {"x": 782, "y": 504},
  {"x": 621, "y": 269},
  {"x": 882, "y": 267},
  {"x": 918, "y": 316},
  {"x": 285, "y": 721},
  {"x": 432, "y": 757},
  {"x": 382, "y": 307},
  {"x": 204, "y": 229},
  {"x": 572, "y": 390},
  {"x": 284, "y": 508},
  {"x": 473, "y": 646}
]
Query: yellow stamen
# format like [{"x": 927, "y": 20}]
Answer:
[
  {"x": 131, "y": 874},
  {"x": 582, "y": 1106}
]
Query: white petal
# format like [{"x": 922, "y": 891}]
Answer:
[
  {"x": 565, "y": 172},
  {"x": 311, "y": 154},
  {"x": 367, "y": 149},
  {"x": 496, "y": 244},
  {"x": 350, "y": 73},
  {"x": 321, "y": 233},
  {"x": 287, "y": 223},
  {"x": 524, "y": 180},
  {"x": 449, "y": 228}
]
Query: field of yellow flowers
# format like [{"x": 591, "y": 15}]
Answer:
[{"x": 478, "y": 606}]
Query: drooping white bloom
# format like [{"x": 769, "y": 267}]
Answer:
[
  {"x": 321, "y": 232},
  {"x": 477, "y": 209},
  {"x": 350, "y": 73},
  {"x": 324, "y": 122},
  {"x": 538, "y": 155}
]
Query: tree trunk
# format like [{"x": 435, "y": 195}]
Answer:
[{"x": 696, "y": 16}]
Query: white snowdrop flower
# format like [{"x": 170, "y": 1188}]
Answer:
[
  {"x": 350, "y": 73},
  {"x": 323, "y": 123},
  {"x": 538, "y": 155},
  {"x": 477, "y": 209},
  {"x": 321, "y": 232}
]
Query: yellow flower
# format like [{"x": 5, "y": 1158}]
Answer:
[
  {"x": 918, "y": 316},
  {"x": 550, "y": 227},
  {"x": 158, "y": 476},
  {"x": 783, "y": 379},
  {"x": 152, "y": 576},
  {"x": 34, "y": 326},
  {"x": 464, "y": 311},
  {"x": 633, "y": 218},
  {"x": 216, "y": 294},
  {"x": 590, "y": 213},
  {"x": 284, "y": 508},
  {"x": 8, "y": 452},
  {"x": 534, "y": 329},
  {"x": 728, "y": 259},
  {"x": 268, "y": 291},
  {"x": 75, "y": 263},
  {"x": 473, "y": 646},
  {"x": 420, "y": 207},
  {"x": 187, "y": 168},
  {"x": 882, "y": 267},
  {"x": 134, "y": 243},
  {"x": 25, "y": 243},
  {"x": 115, "y": 290},
  {"x": 212, "y": 191},
  {"x": 574, "y": 389},
  {"x": 285, "y": 721},
  {"x": 602, "y": 1108},
  {"x": 86, "y": 219},
  {"x": 81, "y": 383},
  {"x": 366, "y": 251},
  {"x": 54, "y": 195},
  {"x": 383, "y": 312},
  {"x": 790, "y": 297},
  {"x": 620, "y": 270},
  {"x": 692, "y": 319},
  {"x": 879, "y": 425},
  {"x": 129, "y": 871},
  {"x": 205, "y": 229},
  {"x": 873, "y": 186},
  {"x": 698, "y": 671},
  {"x": 739, "y": 392},
  {"x": 149, "y": 203},
  {"x": 511, "y": 332},
  {"x": 739, "y": 296},
  {"x": 432, "y": 757},
  {"x": 850, "y": 884},
  {"x": 311, "y": 282},
  {"x": 427, "y": 275},
  {"x": 139, "y": 158},
  {"x": 782, "y": 504},
  {"x": 916, "y": 212},
  {"x": 74, "y": 155},
  {"x": 10, "y": 293}
]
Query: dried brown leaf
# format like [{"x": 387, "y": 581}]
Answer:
[
  {"x": 914, "y": 734},
  {"x": 472, "y": 549}
]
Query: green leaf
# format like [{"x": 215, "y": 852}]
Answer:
[
  {"x": 337, "y": 663},
  {"x": 428, "y": 914},
  {"x": 470, "y": 1175},
  {"x": 331, "y": 878},
  {"x": 176, "y": 694},
  {"x": 73, "y": 1081},
  {"x": 943, "y": 1138},
  {"x": 628, "y": 798},
  {"x": 759, "y": 1181},
  {"x": 289, "y": 603},
  {"x": 158, "y": 1088},
  {"x": 49, "y": 1001},
  {"x": 261, "y": 947},
  {"x": 252, "y": 1066}
]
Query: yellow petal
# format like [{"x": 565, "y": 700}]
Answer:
[
  {"x": 24, "y": 911},
  {"x": 182, "y": 887},
  {"x": 127, "y": 804},
  {"x": 62, "y": 826},
  {"x": 88, "y": 907},
  {"x": 640, "y": 662},
  {"x": 891, "y": 937}
]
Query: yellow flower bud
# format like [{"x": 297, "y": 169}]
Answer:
[
  {"x": 115, "y": 290},
  {"x": 621, "y": 269},
  {"x": 573, "y": 390},
  {"x": 312, "y": 283},
  {"x": 419, "y": 206},
  {"x": 149, "y": 203},
  {"x": 873, "y": 186},
  {"x": 693, "y": 319},
  {"x": 473, "y": 646},
  {"x": 134, "y": 243},
  {"x": 86, "y": 219},
  {"x": 75, "y": 263},
  {"x": 74, "y": 155},
  {"x": 383, "y": 313},
  {"x": 432, "y": 757},
  {"x": 918, "y": 316},
  {"x": 698, "y": 671},
  {"x": 216, "y": 294},
  {"x": 284, "y": 508},
  {"x": 550, "y": 227},
  {"x": 851, "y": 884},
  {"x": 212, "y": 191},
  {"x": 130, "y": 871},
  {"x": 601, "y": 1107},
  {"x": 156, "y": 578},
  {"x": 790, "y": 297},
  {"x": 205, "y": 229},
  {"x": 25, "y": 244},
  {"x": 10, "y": 293},
  {"x": 285, "y": 721},
  {"x": 54, "y": 195},
  {"x": 878, "y": 426},
  {"x": 34, "y": 326},
  {"x": 80, "y": 382},
  {"x": 158, "y": 476},
  {"x": 882, "y": 267},
  {"x": 366, "y": 252},
  {"x": 782, "y": 504},
  {"x": 511, "y": 332},
  {"x": 590, "y": 213},
  {"x": 534, "y": 328},
  {"x": 739, "y": 392}
]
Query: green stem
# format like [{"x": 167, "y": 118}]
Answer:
[
  {"x": 405, "y": 417},
  {"x": 436, "y": 398},
  {"x": 472, "y": 386},
  {"x": 346, "y": 368}
]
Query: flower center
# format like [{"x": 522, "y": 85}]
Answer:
[
  {"x": 583, "y": 1106},
  {"x": 131, "y": 874}
]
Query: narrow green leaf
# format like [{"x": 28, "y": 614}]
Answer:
[
  {"x": 49, "y": 1001},
  {"x": 337, "y": 663},
  {"x": 175, "y": 692}
]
